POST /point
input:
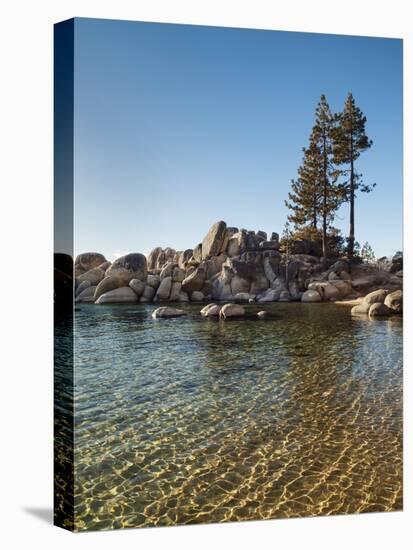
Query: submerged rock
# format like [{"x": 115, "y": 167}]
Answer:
[{"x": 166, "y": 312}]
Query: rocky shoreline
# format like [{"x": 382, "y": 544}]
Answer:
[{"x": 238, "y": 266}]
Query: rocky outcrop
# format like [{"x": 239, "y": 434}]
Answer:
[{"x": 241, "y": 266}]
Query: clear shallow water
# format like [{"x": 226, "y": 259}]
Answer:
[{"x": 194, "y": 420}]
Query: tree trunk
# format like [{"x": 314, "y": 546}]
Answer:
[
  {"x": 351, "y": 237},
  {"x": 325, "y": 187},
  {"x": 315, "y": 211}
]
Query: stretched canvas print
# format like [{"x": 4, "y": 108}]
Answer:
[{"x": 228, "y": 274}]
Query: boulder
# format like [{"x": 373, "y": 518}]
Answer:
[
  {"x": 137, "y": 286},
  {"x": 94, "y": 276},
  {"x": 183, "y": 297},
  {"x": 394, "y": 301},
  {"x": 269, "y": 245},
  {"x": 259, "y": 284},
  {"x": 269, "y": 295},
  {"x": 360, "y": 309},
  {"x": 148, "y": 293},
  {"x": 211, "y": 310},
  {"x": 213, "y": 240},
  {"x": 344, "y": 287},
  {"x": 197, "y": 296},
  {"x": 274, "y": 236},
  {"x": 271, "y": 268},
  {"x": 233, "y": 247},
  {"x": 153, "y": 258},
  {"x": 83, "y": 285},
  {"x": 153, "y": 281},
  {"x": 111, "y": 283},
  {"x": 118, "y": 296},
  {"x": 239, "y": 285},
  {"x": 132, "y": 264},
  {"x": 214, "y": 265},
  {"x": 197, "y": 253},
  {"x": 339, "y": 266},
  {"x": 176, "y": 288},
  {"x": 311, "y": 296},
  {"x": 231, "y": 310},
  {"x": 184, "y": 257},
  {"x": 378, "y": 309},
  {"x": 377, "y": 296},
  {"x": 178, "y": 275},
  {"x": 164, "y": 289},
  {"x": 167, "y": 312},
  {"x": 87, "y": 295},
  {"x": 87, "y": 261},
  {"x": 195, "y": 280},
  {"x": 167, "y": 270},
  {"x": 242, "y": 297},
  {"x": 144, "y": 299}
]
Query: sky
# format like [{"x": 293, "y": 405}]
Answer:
[{"x": 179, "y": 126}]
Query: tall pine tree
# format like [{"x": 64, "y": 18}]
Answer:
[
  {"x": 350, "y": 140},
  {"x": 305, "y": 195},
  {"x": 315, "y": 193}
]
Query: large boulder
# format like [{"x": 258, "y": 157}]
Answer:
[
  {"x": 111, "y": 283},
  {"x": 87, "y": 295},
  {"x": 213, "y": 240},
  {"x": 311, "y": 296},
  {"x": 148, "y": 293},
  {"x": 197, "y": 253},
  {"x": 137, "y": 286},
  {"x": 176, "y": 288},
  {"x": 214, "y": 265},
  {"x": 178, "y": 275},
  {"x": 269, "y": 245},
  {"x": 378, "y": 309},
  {"x": 167, "y": 312},
  {"x": 164, "y": 289},
  {"x": 153, "y": 281},
  {"x": 118, "y": 296},
  {"x": 87, "y": 261},
  {"x": 195, "y": 280},
  {"x": 271, "y": 267},
  {"x": 211, "y": 310},
  {"x": 238, "y": 284},
  {"x": 360, "y": 309},
  {"x": 197, "y": 296},
  {"x": 94, "y": 276},
  {"x": 231, "y": 310},
  {"x": 82, "y": 286},
  {"x": 377, "y": 296},
  {"x": 133, "y": 264},
  {"x": 394, "y": 301},
  {"x": 153, "y": 256}
]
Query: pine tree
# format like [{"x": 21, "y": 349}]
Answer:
[
  {"x": 305, "y": 195},
  {"x": 350, "y": 140},
  {"x": 315, "y": 194},
  {"x": 367, "y": 253}
]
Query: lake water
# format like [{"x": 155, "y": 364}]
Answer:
[{"x": 193, "y": 420}]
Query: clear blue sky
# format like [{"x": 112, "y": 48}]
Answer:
[{"x": 179, "y": 126}]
